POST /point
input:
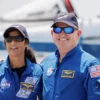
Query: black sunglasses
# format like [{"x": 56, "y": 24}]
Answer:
[
  {"x": 16, "y": 38},
  {"x": 67, "y": 30}
]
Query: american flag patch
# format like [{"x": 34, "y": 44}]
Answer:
[{"x": 95, "y": 71}]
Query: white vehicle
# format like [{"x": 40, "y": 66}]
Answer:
[
  {"x": 88, "y": 12},
  {"x": 38, "y": 15}
]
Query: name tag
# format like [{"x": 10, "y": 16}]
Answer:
[{"x": 68, "y": 74}]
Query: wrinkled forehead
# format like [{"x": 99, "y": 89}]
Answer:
[{"x": 61, "y": 24}]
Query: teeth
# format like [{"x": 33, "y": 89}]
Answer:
[
  {"x": 63, "y": 39},
  {"x": 13, "y": 48}
]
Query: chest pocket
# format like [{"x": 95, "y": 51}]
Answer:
[
  {"x": 69, "y": 79},
  {"x": 28, "y": 86},
  {"x": 48, "y": 81},
  {"x": 31, "y": 82}
]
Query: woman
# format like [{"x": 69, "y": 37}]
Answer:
[{"x": 20, "y": 76}]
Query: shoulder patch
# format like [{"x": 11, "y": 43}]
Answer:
[{"x": 94, "y": 71}]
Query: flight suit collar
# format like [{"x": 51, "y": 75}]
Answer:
[
  {"x": 29, "y": 65},
  {"x": 69, "y": 53}
]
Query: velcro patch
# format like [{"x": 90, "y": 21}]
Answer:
[
  {"x": 26, "y": 86},
  {"x": 95, "y": 71},
  {"x": 68, "y": 74}
]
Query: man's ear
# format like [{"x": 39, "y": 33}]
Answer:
[{"x": 79, "y": 32}]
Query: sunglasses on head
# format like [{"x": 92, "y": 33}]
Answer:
[
  {"x": 15, "y": 38},
  {"x": 67, "y": 30}
]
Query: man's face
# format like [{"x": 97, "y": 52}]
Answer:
[{"x": 65, "y": 41}]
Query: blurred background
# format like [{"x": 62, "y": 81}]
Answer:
[{"x": 37, "y": 16}]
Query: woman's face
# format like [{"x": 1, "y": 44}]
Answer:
[{"x": 15, "y": 44}]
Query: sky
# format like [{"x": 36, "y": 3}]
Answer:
[
  {"x": 84, "y": 8},
  {"x": 87, "y": 8},
  {"x": 8, "y": 5}
]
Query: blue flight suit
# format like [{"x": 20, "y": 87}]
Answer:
[
  {"x": 76, "y": 77},
  {"x": 25, "y": 88}
]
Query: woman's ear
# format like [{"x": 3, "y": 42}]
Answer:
[
  {"x": 5, "y": 42},
  {"x": 26, "y": 45}
]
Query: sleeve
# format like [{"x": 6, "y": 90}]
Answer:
[{"x": 92, "y": 81}]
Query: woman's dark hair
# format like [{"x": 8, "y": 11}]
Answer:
[{"x": 29, "y": 53}]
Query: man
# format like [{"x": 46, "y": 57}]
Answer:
[{"x": 70, "y": 73}]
